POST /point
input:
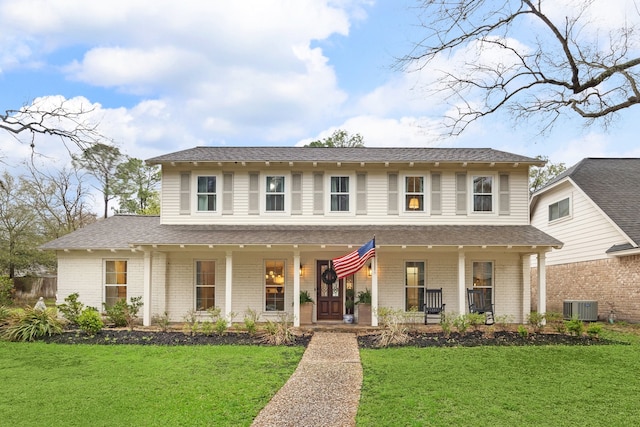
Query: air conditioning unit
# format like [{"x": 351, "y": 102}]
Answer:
[{"x": 584, "y": 310}]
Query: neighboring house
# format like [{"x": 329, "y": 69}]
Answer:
[
  {"x": 250, "y": 227},
  {"x": 593, "y": 208}
]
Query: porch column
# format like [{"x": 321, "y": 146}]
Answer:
[
  {"x": 374, "y": 291},
  {"x": 462, "y": 288},
  {"x": 146, "y": 292},
  {"x": 542, "y": 283},
  {"x": 227, "y": 286},
  {"x": 526, "y": 287},
  {"x": 296, "y": 289}
]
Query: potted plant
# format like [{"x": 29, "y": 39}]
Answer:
[
  {"x": 349, "y": 304},
  {"x": 306, "y": 308},
  {"x": 364, "y": 307}
]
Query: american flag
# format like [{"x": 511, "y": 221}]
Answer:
[{"x": 352, "y": 262}]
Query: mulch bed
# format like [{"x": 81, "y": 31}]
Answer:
[
  {"x": 365, "y": 339},
  {"x": 479, "y": 338},
  {"x": 170, "y": 338}
]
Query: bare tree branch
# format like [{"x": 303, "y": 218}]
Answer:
[{"x": 555, "y": 66}]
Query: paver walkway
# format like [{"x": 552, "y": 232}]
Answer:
[{"x": 324, "y": 390}]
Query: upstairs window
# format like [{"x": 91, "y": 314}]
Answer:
[
  {"x": 414, "y": 194},
  {"x": 483, "y": 194},
  {"x": 207, "y": 193},
  {"x": 559, "y": 209},
  {"x": 275, "y": 194},
  {"x": 339, "y": 194}
]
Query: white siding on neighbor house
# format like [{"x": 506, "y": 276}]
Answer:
[
  {"x": 377, "y": 197},
  {"x": 586, "y": 233}
]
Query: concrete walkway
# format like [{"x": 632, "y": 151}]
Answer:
[{"x": 325, "y": 388}]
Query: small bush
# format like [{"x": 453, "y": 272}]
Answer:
[
  {"x": 250, "y": 320},
  {"x": 4, "y": 315},
  {"x": 555, "y": 320},
  {"x": 461, "y": 323},
  {"x": 575, "y": 327},
  {"x": 476, "y": 320},
  {"x": 503, "y": 321},
  {"x": 523, "y": 331},
  {"x": 162, "y": 321},
  {"x": 221, "y": 326},
  {"x": 394, "y": 327},
  {"x": 190, "y": 326},
  {"x": 6, "y": 290},
  {"x": 536, "y": 320},
  {"x": 71, "y": 308},
  {"x": 90, "y": 321},
  {"x": 594, "y": 330},
  {"x": 30, "y": 324},
  {"x": 122, "y": 314},
  {"x": 279, "y": 332},
  {"x": 207, "y": 327},
  {"x": 446, "y": 322}
]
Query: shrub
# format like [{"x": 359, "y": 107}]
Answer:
[
  {"x": 6, "y": 290},
  {"x": 394, "y": 327},
  {"x": 71, "y": 308},
  {"x": 503, "y": 321},
  {"x": 4, "y": 315},
  {"x": 90, "y": 321},
  {"x": 221, "y": 326},
  {"x": 523, "y": 331},
  {"x": 162, "y": 321},
  {"x": 476, "y": 320},
  {"x": 461, "y": 323},
  {"x": 575, "y": 326},
  {"x": 279, "y": 332},
  {"x": 190, "y": 326},
  {"x": 446, "y": 322},
  {"x": 554, "y": 319},
  {"x": 250, "y": 320},
  {"x": 207, "y": 327},
  {"x": 122, "y": 314},
  {"x": 536, "y": 320},
  {"x": 29, "y": 324},
  {"x": 594, "y": 330}
]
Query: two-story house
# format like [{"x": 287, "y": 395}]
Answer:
[
  {"x": 250, "y": 227},
  {"x": 593, "y": 208}
]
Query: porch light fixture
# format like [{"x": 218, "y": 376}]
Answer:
[
  {"x": 300, "y": 270},
  {"x": 369, "y": 272},
  {"x": 414, "y": 203}
]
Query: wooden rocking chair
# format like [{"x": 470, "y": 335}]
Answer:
[
  {"x": 478, "y": 303},
  {"x": 433, "y": 303}
]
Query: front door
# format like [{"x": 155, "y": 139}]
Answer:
[{"x": 329, "y": 296}]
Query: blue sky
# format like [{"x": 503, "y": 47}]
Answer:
[{"x": 163, "y": 76}]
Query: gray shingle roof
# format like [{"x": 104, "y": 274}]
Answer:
[
  {"x": 614, "y": 185},
  {"x": 311, "y": 154},
  {"x": 119, "y": 232}
]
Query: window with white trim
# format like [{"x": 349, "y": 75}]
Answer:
[
  {"x": 206, "y": 194},
  {"x": 205, "y": 285},
  {"x": 483, "y": 278},
  {"x": 414, "y": 193},
  {"x": 483, "y": 193},
  {"x": 559, "y": 209},
  {"x": 115, "y": 281},
  {"x": 414, "y": 285},
  {"x": 274, "y": 280},
  {"x": 274, "y": 193},
  {"x": 339, "y": 194}
]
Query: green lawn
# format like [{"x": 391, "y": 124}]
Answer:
[
  {"x": 502, "y": 386},
  {"x": 82, "y": 385}
]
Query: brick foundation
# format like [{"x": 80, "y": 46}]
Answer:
[{"x": 614, "y": 283}]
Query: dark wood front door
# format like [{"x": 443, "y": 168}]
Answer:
[{"x": 329, "y": 296}]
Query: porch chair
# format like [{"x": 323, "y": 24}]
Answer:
[
  {"x": 479, "y": 304},
  {"x": 433, "y": 303}
]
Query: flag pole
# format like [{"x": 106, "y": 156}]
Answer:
[{"x": 374, "y": 287}]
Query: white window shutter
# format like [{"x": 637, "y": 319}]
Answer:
[
  {"x": 254, "y": 193},
  {"x": 227, "y": 193},
  {"x": 318, "y": 194},
  {"x": 436, "y": 194},
  {"x": 185, "y": 193},
  {"x": 504, "y": 195},
  {"x": 392, "y": 192},
  {"x": 296, "y": 193},
  {"x": 361, "y": 194},
  {"x": 461, "y": 194}
]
